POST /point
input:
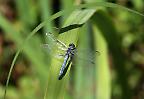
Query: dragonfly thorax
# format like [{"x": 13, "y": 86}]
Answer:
[{"x": 71, "y": 49}]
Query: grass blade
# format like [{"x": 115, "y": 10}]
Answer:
[{"x": 103, "y": 77}]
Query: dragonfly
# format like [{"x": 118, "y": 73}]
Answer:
[{"x": 70, "y": 52}]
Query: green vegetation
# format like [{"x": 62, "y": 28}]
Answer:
[{"x": 27, "y": 71}]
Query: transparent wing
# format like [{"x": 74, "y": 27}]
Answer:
[
  {"x": 49, "y": 47},
  {"x": 53, "y": 53},
  {"x": 57, "y": 42},
  {"x": 89, "y": 57}
]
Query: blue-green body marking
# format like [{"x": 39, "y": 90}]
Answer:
[{"x": 67, "y": 60}]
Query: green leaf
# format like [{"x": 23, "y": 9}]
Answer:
[
  {"x": 110, "y": 34},
  {"x": 56, "y": 88}
]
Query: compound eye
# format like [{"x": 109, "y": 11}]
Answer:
[{"x": 71, "y": 45}]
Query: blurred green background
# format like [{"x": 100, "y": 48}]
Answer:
[{"x": 112, "y": 27}]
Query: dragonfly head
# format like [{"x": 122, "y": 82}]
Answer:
[{"x": 71, "y": 45}]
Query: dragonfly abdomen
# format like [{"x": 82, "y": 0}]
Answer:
[{"x": 62, "y": 73}]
